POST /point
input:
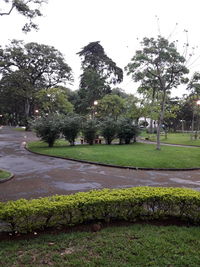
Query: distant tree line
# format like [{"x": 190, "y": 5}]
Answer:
[{"x": 34, "y": 78}]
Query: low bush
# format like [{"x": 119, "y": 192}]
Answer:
[{"x": 131, "y": 204}]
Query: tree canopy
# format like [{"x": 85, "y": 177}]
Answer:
[
  {"x": 28, "y": 68},
  {"x": 99, "y": 73},
  {"x": 27, "y": 8},
  {"x": 110, "y": 106},
  {"x": 159, "y": 64}
]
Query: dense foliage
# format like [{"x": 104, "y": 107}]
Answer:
[
  {"x": 89, "y": 130},
  {"x": 29, "y": 9},
  {"x": 126, "y": 131},
  {"x": 108, "y": 129},
  {"x": 71, "y": 127},
  {"x": 29, "y": 71},
  {"x": 99, "y": 73},
  {"x": 48, "y": 128},
  {"x": 158, "y": 66}
]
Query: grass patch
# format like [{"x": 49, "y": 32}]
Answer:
[
  {"x": 4, "y": 174},
  {"x": 20, "y": 129},
  {"x": 137, "y": 155},
  {"x": 134, "y": 245},
  {"x": 175, "y": 138}
]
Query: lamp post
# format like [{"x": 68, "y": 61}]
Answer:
[
  {"x": 36, "y": 113},
  {"x": 1, "y": 119},
  {"x": 182, "y": 125},
  {"x": 95, "y": 103}
]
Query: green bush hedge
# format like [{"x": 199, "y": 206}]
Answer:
[{"x": 138, "y": 203}]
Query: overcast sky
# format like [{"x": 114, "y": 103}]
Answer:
[{"x": 119, "y": 25}]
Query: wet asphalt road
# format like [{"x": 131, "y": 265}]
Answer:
[{"x": 39, "y": 176}]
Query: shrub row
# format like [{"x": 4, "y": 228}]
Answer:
[
  {"x": 49, "y": 128},
  {"x": 139, "y": 203}
]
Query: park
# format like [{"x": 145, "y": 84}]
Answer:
[{"x": 91, "y": 172}]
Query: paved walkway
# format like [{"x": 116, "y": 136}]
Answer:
[
  {"x": 39, "y": 176},
  {"x": 141, "y": 140}
]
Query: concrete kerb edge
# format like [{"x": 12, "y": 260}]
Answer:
[
  {"x": 8, "y": 178},
  {"x": 114, "y": 166}
]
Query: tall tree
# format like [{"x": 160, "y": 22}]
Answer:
[
  {"x": 99, "y": 73},
  {"x": 194, "y": 88},
  {"x": 26, "y": 69},
  {"x": 27, "y": 8},
  {"x": 160, "y": 62}
]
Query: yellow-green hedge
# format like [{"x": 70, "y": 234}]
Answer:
[{"x": 138, "y": 203}]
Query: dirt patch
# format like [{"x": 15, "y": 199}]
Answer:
[{"x": 89, "y": 227}]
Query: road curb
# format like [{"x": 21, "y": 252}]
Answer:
[{"x": 114, "y": 166}]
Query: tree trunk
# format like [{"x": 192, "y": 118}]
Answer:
[
  {"x": 27, "y": 108},
  {"x": 151, "y": 126},
  {"x": 72, "y": 143},
  {"x": 120, "y": 141},
  {"x": 160, "y": 120},
  {"x": 192, "y": 129},
  {"x": 165, "y": 134},
  {"x": 152, "y": 104},
  {"x": 27, "y": 111},
  {"x": 158, "y": 135}
]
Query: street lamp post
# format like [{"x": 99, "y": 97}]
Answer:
[
  {"x": 95, "y": 103},
  {"x": 1, "y": 119},
  {"x": 182, "y": 125},
  {"x": 36, "y": 113}
]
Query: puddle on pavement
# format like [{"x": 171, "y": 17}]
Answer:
[
  {"x": 86, "y": 167},
  {"x": 82, "y": 186}
]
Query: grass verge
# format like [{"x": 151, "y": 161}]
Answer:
[
  {"x": 20, "y": 129},
  {"x": 4, "y": 174},
  {"x": 134, "y": 245},
  {"x": 175, "y": 138},
  {"x": 136, "y": 155}
]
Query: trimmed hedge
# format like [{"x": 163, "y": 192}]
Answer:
[{"x": 131, "y": 204}]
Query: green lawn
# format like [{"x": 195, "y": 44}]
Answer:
[
  {"x": 4, "y": 174},
  {"x": 135, "y": 245},
  {"x": 175, "y": 138},
  {"x": 137, "y": 155},
  {"x": 20, "y": 129}
]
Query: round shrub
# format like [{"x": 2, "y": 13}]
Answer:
[
  {"x": 126, "y": 131},
  {"x": 48, "y": 128},
  {"x": 108, "y": 129},
  {"x": 71, "y": 127}
]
